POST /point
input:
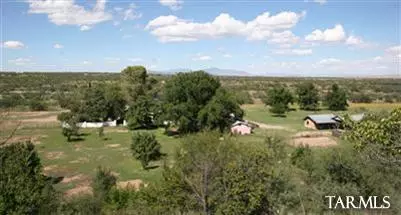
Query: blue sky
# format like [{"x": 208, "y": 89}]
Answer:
[{"x": 259, "y": 37}]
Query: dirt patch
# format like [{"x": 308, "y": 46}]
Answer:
[
  {"x": 113, "y": 145},
  {"x": 314, "y": 141},
  {"x": 79, "y": 190},
  {"x": 116, "y": 130},
  {"x": 131, "y": 184},
  {"x": 267, "y": 126},
  {"x": 35, "y": 139},
  {"x": 40, "y": 120},
  {"x": 49, "y": 168},
  {"x": 307, "y": 134},
  {"x": 77, "y": 147},
  {"x": 54, "y": 155},
  {"x": 78, "y": 177},
  {"x": 80, "y": 160}
]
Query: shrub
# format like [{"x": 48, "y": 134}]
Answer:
[{"x": 145, "y": 148}]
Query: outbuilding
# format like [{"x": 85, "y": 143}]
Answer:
[{"x": 321, "y": 121}]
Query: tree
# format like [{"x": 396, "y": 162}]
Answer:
[
  {"x": 217, "y": 113},
  {"x": 188, "y": 97},
  {"x": 116, "y": 104},
  {"x": 69, "y": 125},
  {"x": 213, "y": 176},
  {"x": 145, "y": 148},
  {"x": 308, "y": 96},
  {"x": 278, "y": 98},
  {"x": 134, "y": 82},
  {"x": 379, "y": 135},
  {"x": 336, "y": 98},
  {"x": 140, "y": 114},
  {"x": 103, "y": 182},
  {"x": 23, "y": 187}
]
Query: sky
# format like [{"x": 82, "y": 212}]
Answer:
[{"x": 259, "y": 37}]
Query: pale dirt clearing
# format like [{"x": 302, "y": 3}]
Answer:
[
  {"x": 314, "y": 141},
  {"x": 80, "y": 160},
  {"x": 54, "y": 155},
  {"x": 267, "y": 126},
  {"x": 113, "y": 145},
  {"x": 313, "y": 134},
  {"x": 131, "y": 184},
  {"x": 82, "y": 189},
  {"x": 35, "y": 139},
  {"x": 49, "y": 168},
  {"x": 78, "y": 177}
]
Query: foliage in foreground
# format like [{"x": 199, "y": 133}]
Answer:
[{"x": 23, "y": 188}]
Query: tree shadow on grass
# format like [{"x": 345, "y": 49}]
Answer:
[
  {"x": 76, "y": 139},
  {"x": 279, "y": 115},
  {"x": 54, "y": 179},
  {"x": 152, "y": 167}
]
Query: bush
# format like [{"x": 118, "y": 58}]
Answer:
[
  {"x": 23, "y": 187},
  {"x": 37, "y": 105},
  {"x": 145, "y": 148}
]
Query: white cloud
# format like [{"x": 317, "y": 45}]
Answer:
[
  {"x": 85, "y": 62},
  {"x": 131, "y": 13},
  {"x": 329, "y": 35},
  {"x": 172, "y": 4},
  {"x": 394, "y": 50},
  {"x": 13, "y": 44},
  {"x": 85, "y": 28},
  {"x": 227, "y": 55},
  {"x": 299, "y": 52},
  {"x": 58, "y": 46},
  {"x": 173, "y": 29},
  {"x": 353, "y": 40},
  {"x": 201, "y": 57},
  {"x": 66, "y": 12},
  {"x": 285, "y": 38}
]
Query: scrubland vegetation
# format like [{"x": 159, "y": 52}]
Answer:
[{"x": 176, "y": 155}]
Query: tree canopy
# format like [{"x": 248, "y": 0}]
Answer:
[
  {"x": 336, "y": 98},
  {"x": 195, "y": 101},
  {"x": 278, "y": 98},
  {"x": 307, "y": 96}
]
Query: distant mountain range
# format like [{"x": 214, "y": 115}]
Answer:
[{"x": 212, "y": 70}]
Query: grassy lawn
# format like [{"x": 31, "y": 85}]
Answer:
[
  {"x": 294, "y": 119},
  {"x": 67, "y": 159}
]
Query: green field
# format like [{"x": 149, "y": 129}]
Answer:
[
  {"x": 80, "y": 158},
  {"x": 294, "y": 119}
]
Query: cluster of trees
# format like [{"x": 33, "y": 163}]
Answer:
[
  {"x": 189, "y": 102},
  {"x": 214, "y": 175},
  {"x": 307, "y": 96}
]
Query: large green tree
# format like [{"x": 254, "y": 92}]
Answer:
[
  {"x": 141, "y": 113},
  {"x": 186, "y": 101},
  {"x": 278, "y": 98},
  {"x": 134, "y": 82},
  {"x": 336, "y": 98},
  {"x": 217, "y": 114},
  {"x": 307, "y": 96}
]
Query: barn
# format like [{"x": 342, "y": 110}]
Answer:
[{"x": 321, "y": 121}]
